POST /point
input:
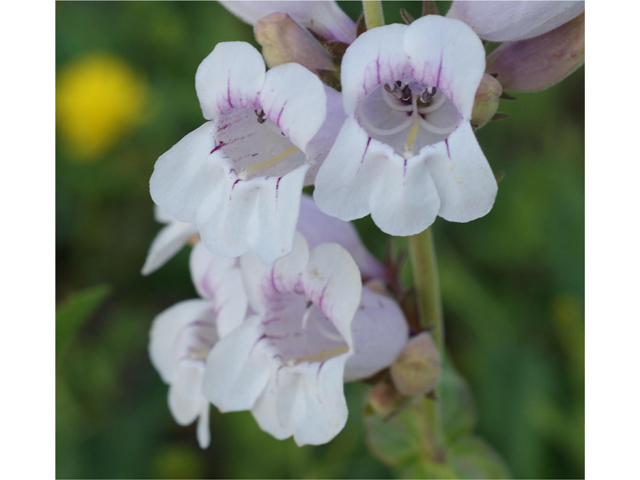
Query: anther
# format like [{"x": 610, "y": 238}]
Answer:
[
  {"x": 389, "y": 88},
  {"x": 261, "y": 116},
  {"x": 428, "y": 94},
  {"x": 406, "y": 94}
]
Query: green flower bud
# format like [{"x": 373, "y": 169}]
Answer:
[
  {"x": 284, "y": 40},
  {"x": 416, "y": 371},
  {"x": 384, "y": 399},
  {"x": 486, "y": 102}
]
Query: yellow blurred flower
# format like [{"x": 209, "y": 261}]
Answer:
[{"x": 99, "y": 99}]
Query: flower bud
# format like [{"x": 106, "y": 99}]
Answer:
[
  {"x": 416, "y": 371},
  {"x": 384, "y": 399},
  {"x": 486, "y": 102},
  {"x": 284, "y": 40},
  {"x": 540, "y": 62}
]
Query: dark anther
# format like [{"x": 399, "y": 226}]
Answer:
[
  {"x": 406, "y": 94},
  {"x": 398, "y": 83},
  {"x": 427, "y": 96},
  {"x": 389, "y": 88},
  {"x": 261, "y": 116}
]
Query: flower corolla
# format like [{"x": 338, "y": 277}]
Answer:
[{"x": 407, "y": 152}]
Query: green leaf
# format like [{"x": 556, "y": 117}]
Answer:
[
  {"x": 458, "y": 408},
  {"x": 472, "y": 457},
  {"x": 75, "y": 310}
]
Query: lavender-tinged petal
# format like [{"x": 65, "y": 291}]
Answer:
[
  {"x": 513, "y": 21},
  {"x": 540, "y": 62},
  {"x": 323, "y": 17}
]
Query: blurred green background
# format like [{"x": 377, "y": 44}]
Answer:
[{"x": 512, "y": 282}]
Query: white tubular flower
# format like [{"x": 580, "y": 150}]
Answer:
[
  {"x": 407, "y": 152},
  {"x": 318, "y": 227},
  {"x": 314, "y": 328},
  {"x": 325, "y": 18},
  {"x": 513, "y": 21},
  {"x": 182, "y": 336},
  {"x": 168, "y": 241},
  {"x": 239, "y": 176}
]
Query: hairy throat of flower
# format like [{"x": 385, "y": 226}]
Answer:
[
  {"x": 416, "y": 100},
  {"x": 325, "y": 354},
  {"x": 276, "y": 157}
]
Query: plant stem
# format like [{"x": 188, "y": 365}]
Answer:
[
  {"x": 427, "y": 285},
  {"x": 373, "y": 15}
]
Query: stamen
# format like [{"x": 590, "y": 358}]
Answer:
[
  {"x": 389, "y": 88},
  {"x": 438, "y": 102},
  {"x": 406, "y": 94},
  {"x": 395, "y": 106},
  {"x": 380, "y": 131},
  {"x": 434, "y": 129},
  {"x": 327, "y": 334}
]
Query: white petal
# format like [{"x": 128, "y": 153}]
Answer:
[
  {"x": 208, "y": 271},
  {"x": 280, "y": 407},
  {"x": 262, "y": 281},
  {"x": 511, "y": 21},
  {"x": 376, "y": 57},
  {"x": 294, "y": 99},
  {"x": 185, "y": 397},
  {"x": 202, "y": 430},
  {"x": 161, "y": 216},
  {"x": 167, "y": 243},
  {"x": 219, "y": 279},
  {"x": 318, "y": 227},
  {"x": 453, "y": 62},
  {"x": 332, "y": 281},
  {"x": 274, "y": 222},
  {"x": 318, "y": 148},
  {"x": 380, "y": 332},
  {"x": 230, "y": 77},
  {"x": 325, "y": 412},
  {"x": 347, "y": 178},
  {"x": 408, "y": 203},
  {"x": 166, "y": 329},
  {"x": 237, "y": 371},
  {"x": 464, "y": 180},
  {"x": 325, "y": 17},
  {"x": 259, "y": 214},
  {"x": 186, "y": 174}
]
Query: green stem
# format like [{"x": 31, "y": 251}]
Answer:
[
  {"x": 373, "y": 15},
  {"x": 427, "y": 285}
]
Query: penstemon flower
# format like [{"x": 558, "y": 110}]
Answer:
[
  {"x": 407, "y": 152},
  {"x": 325, "y": 18},
  {"x": 314, "y": 328},
  {"x": 315, "y": 226},
  {"x": 182, "y": 336},
  {"x": 239, "y": 176},
  {"x": 169, "y": 240},
  {"x": 514, "y": 21}
]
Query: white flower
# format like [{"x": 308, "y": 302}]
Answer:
[
  {"x": 314, "y": 328},
  {"x": 239, "y": 176},
  {"x": 182, "y": 336},
  {"x": 325, "y": 18},
  {"x": 407, "y": 152},
  {"x": 514, "y": 21},
  {"x": 168, "y": 241},
  {"x": 318, "y": 228}
]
